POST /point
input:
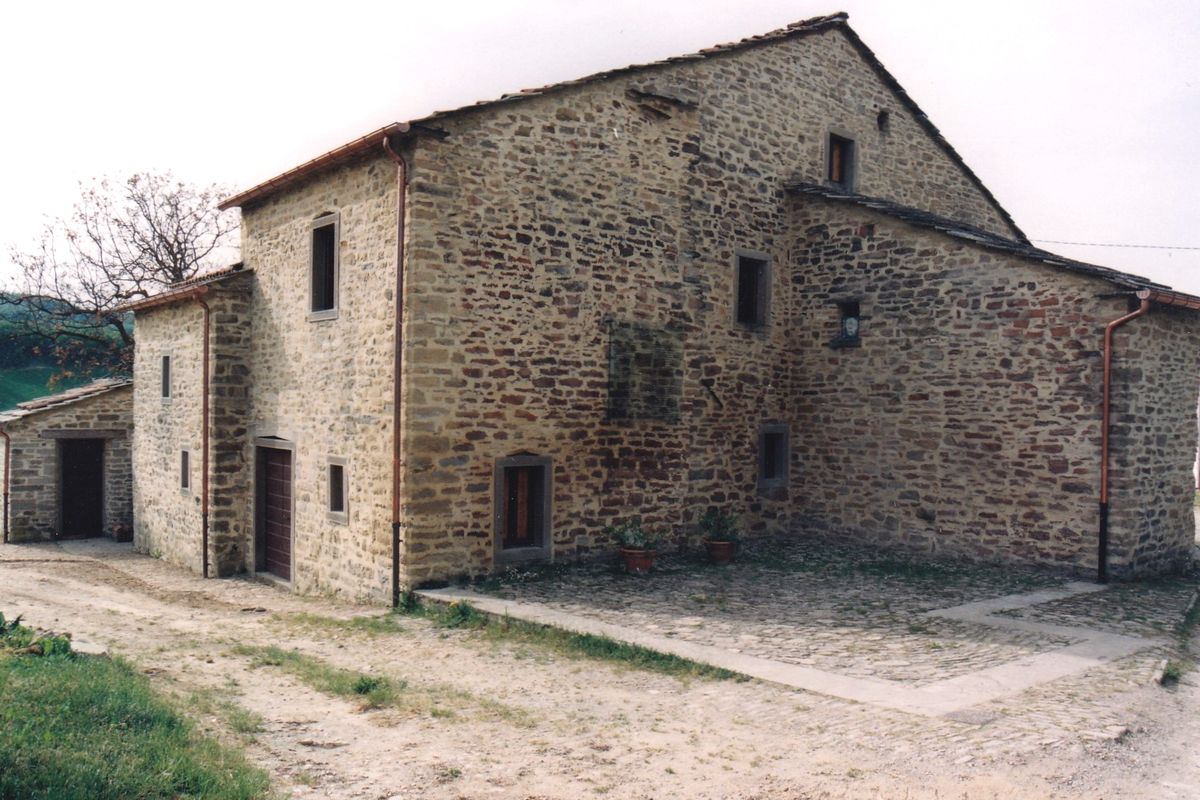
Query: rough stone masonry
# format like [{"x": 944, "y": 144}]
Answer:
[{"x": 577, "y": 350}]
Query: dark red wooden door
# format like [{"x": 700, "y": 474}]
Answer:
[
  {"x": 523, "y": 506},
  {"x": 277, "y": 511}
]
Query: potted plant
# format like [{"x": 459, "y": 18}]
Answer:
[
  {"x": 638, "y": 546},
  {"x": 720, "y": 532}
]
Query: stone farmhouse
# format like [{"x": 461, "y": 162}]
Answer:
[
  {"x": 754, "y": 278},
  {"x": 65, "y": 464}
]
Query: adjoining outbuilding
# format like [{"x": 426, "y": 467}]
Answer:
[{"x": 66, "y": 467}]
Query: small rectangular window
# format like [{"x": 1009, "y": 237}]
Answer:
[
  {"x": 753, "y": 282},
  {"x": 337, "y": 488},
  {"x": 849, "y": 325},
  {"x": 773, "y": 450},
  {"x": 166, "y": 377},
  {"x": 324, "y": 265},
  {"x": 840, "y": 167},
  {"x": 185, "y": 470}
]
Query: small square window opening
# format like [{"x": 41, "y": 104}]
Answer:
[
  {"x": 840, "y": 167},
  {"x": 753, "y": 283}
]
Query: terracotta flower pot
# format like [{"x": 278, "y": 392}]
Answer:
[
  {"x": 638, "y": 562},
  {"x": 720, "y": 552}
]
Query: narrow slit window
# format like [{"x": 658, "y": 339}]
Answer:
[
  {"x": 773, "y": 451},
  {"x": 185, "y": 470},
  {"x": 324, "y": 265},
  {"x": 166, "y": 377},
  {"x": 337, "y": 489},
  {"x": 752, "y": 290},
  {"x": 841, "y": 161}
]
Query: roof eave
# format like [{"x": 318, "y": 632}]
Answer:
[
  {"x": 335, "y": 157},
  {"x": 978, "y": 237}
]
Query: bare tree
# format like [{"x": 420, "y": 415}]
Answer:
[{"x": 123, "y": 241}]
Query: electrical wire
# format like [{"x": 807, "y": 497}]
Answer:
[{"x": 1102, "y": 244}]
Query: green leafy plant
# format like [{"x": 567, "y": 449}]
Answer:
[
  {"x": 632, "y": 536},
  {"x": 461, "y": 614},
  {"x": 717, "y": 526}
]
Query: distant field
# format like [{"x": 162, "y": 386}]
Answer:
[{"x": 26, "y": 383}]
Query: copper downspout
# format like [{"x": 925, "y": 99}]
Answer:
[
  {"x": 398, "y": 363},
  {"x": 1102, "y": 560},
  {"x": 204, "y": 437},
  {"x": 7, "y": 476}
]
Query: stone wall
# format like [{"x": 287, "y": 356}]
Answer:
[
  {"x": 325, "y": 387},
  {"x": 34, "y": 500},
  {"x": 166, "y": 518},
  {"x": 1155, "y": 367},
  {"x": 537, "y": 225}
]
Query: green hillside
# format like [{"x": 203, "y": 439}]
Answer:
[
  {"x": 25, "y": 383},
  {"x": 26, "y": 369}
]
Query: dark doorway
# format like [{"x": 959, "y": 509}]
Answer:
[
  {"x": 523, "y": 487},
  {"x": 273, "y": 553},
  {"x": 81, "y": 482}
]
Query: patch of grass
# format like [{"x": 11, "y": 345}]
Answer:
[
  {"x": 378, "y": 692},
  {"x": 238, "y": 718},
  {"x": 373, "y": 625},
  {"x": 460, "y": 615},
  {"x": 1172, "y": 673},
  {"x": 78, "y": 727},
  {"x": 1191, "y": 619},
  {"x": 573, "y": 645},
  {"x": 370, "y": 691}
]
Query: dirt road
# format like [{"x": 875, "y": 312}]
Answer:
[{"x": 501, "y": 720}]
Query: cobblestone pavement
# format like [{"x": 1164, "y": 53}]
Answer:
[{"x": 858, "y": 613}]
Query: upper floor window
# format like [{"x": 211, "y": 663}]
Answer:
[
  {"x": 323, "y": 271},
  {"x": 753, "y": 289},
  {"x": 839, "y": 169},
  {"x": 166, "y": 377}
]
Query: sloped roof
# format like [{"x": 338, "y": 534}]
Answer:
[
  {"x": 373, "y": 140},
  {"x": 976, "y": 236},
  {"x": 186, "y": 290},
  {"x": 53, "y": 401}
]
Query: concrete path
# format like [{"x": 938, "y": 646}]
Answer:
[{"x": 1088, "y": 648}]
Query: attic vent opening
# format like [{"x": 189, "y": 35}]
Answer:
[{"x": 883, "y": 121}]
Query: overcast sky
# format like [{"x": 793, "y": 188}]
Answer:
[{"x": 1082, "y": 117}]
